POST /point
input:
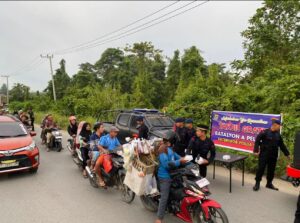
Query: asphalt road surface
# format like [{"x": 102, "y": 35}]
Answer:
[{"x": 59, "y": 194}]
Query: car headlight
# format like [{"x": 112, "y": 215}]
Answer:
[{"x": 31, "y": 146}]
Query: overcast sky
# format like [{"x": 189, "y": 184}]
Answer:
[{"x": 31, "y": 28}]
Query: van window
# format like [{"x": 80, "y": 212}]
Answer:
[
  {"x": 123, "y": 119},
  {"x": 133, "y": 123}
]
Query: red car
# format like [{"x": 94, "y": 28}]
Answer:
[{"x": 18, "y": 151}]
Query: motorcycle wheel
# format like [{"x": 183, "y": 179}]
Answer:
[
  {"x": 59, "y": 146},
  {"x": 127, "y": 194},
  {"x": 149, "y": 203},
  {"x": 217, "y": 215},
  {"x": 93, "y": 181}
]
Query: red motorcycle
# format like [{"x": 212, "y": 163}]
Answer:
[{"x": 188, "y": 198}]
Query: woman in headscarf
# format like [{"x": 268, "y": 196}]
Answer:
[{"x": 84, "y": 137}]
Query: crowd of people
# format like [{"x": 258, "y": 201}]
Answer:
[{"x": 183, "y": 139}]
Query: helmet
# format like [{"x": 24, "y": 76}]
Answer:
[{"x": 71, "y": 118}]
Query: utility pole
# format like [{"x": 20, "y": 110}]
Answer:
[
  {"x": 51, "y": 69},
  {"x": 7, "y": 91}
]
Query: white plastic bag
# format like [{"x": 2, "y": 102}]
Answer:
[
  {"x": 136, "y": 183},
  {"x": 151, "y": 185}
]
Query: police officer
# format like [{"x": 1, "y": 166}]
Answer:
[
  {"x": 190, "y": 129},
  {"x": 266, "y": 148},
  {"x": 181, "y": 137},
  {"x": 143, "y": 129},
  {"x": 200, "y": 145}
]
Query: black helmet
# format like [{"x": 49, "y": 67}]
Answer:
[{"x": 169, "y": 136}]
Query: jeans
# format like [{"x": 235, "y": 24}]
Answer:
[{"x": 165, "y": 185}]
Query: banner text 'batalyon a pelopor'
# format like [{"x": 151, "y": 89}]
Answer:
[{"x": 237, "y": 130}]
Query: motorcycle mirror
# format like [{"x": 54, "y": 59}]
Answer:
[{"x": 32, "y": 133}]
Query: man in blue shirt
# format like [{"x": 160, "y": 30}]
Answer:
[{"x": 107, "y": 143}]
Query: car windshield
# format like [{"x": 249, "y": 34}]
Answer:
[
  {"x": 12, "y": 129},
  {"x": 160, "y": 121}
]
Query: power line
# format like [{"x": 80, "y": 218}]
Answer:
[
  {"x": 30, "y": 68},
  {"x": 117, "y": 30},
  {"x": 141, "y": 29},
  {"x": 118, "y": 35},
  {"x": 24, "y": 67}
]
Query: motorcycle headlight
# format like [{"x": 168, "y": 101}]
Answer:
[
  {"x": 31, "y": 146},
  {"x": 195, "y": 172}
]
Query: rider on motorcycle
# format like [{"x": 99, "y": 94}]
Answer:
[
  {"x": 72, "y": 129},
  {"x": 84, "y": 138},
  {"x": 24, "y": 120},
  {"x": 168, "y": 159},
  {"x": 94, "y": 141},
  {"x": 49, "y": 125},
  {"x": 106, "y": 143}
]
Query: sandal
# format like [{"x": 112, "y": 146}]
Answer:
[
  {"x": 102, "y": 183},
  {"x": 84, "y": 174}
]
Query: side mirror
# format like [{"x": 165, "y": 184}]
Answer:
[{"x": 32, "y": 134}]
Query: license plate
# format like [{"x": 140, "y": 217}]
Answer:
[
  {"x": 8, "y": 163},
  {"x": 202, "y": 183}
]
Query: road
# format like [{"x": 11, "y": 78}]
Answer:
[{"x": 59, "y": 194}]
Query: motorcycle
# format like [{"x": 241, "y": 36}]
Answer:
[
  {"x": 189, "y": 198},
  {"x": 114, "y": 178},
  {"x": 56, "y": 140},
  {"x": 71, "y": 146},
  {"x": 74, "y": 147}
]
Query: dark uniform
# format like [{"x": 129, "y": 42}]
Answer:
[
  {"x": 201, "y": 148},
  {"x": 267, "y": 142},
  {"x": 143, "y": 131},
  {"x": 180, "y": 141},
  {"x": 191, "y": 133}
]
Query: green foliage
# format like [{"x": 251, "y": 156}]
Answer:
[
  {"x": 61, "y": 81},
  {"x": 273, "y": 36},
  {"x": 19, "y": 92},
  {"x": 3, "y": 89}
]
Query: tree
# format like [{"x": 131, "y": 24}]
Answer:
[
  {"x": 273, "y": 36},
  {"x": 3, "y": 89},
  {"x": 147, "y": 86},
  {"x": 85, "y": 76},
  {"x": 173, "y": 75},
  {"x": 108, "y": 65},
  {"x": 61, "y": 81},
  {"x": 19, "y": 92},
  {"x": 192, "y": 64}
]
